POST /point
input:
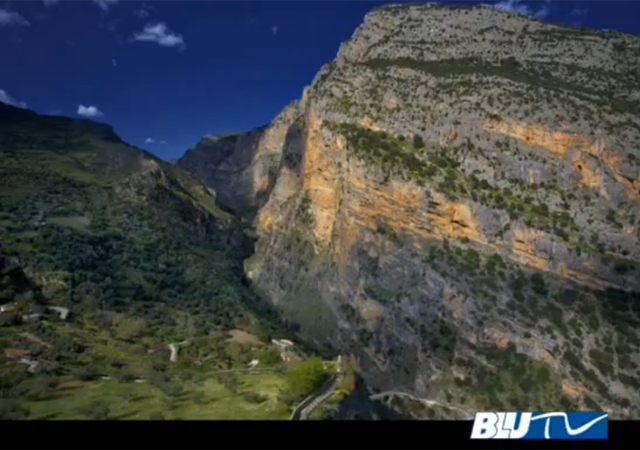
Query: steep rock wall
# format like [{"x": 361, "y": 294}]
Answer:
[{"x": 444, "y": 211}]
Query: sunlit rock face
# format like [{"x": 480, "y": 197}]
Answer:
[{"x": 454, "y": 203}]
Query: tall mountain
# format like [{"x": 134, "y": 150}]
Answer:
[{"x": 454, "y": 203}]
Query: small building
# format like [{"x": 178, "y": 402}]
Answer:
[
  {"x": 33, "y": 365},
  {"x": 253, "y": 363},
  {"x": 64, "y": 312},
  {"x": 283, "y": 343},
  {"x": 7, "y": 307}
]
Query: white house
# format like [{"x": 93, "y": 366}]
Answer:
[
  {"x": 64, "y": 312},
  {"x": 253, "y": 363},
  {"x": 284, "y": 343}
]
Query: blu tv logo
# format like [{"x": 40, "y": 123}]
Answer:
[{"x": 502, "y": 425}]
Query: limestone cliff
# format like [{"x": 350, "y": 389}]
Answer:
[
  {"x": 241, "y": 167},
  {"x": 454, "y": 201}
]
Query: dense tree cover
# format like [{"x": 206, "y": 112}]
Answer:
[
  {"x": 305, "y": 379},
  {"x": 112, "y": 228},
  {"x": 12, "y": 410},
  {"x": 135, "y": 248}
]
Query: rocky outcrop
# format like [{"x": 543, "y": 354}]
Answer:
[
  {"x": 241, "y": 168},
  {"x": 454, "y": 201}
]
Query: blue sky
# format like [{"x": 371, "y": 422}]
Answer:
[{"x": 174, "y": 71}]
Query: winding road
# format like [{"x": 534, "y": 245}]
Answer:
[
  {"x": 302, "y": 411},
  {"x": 383, "y": 395}
]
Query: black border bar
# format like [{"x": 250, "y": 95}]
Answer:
[{"x": 279, "y": 435}]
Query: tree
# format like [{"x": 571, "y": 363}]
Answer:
[
  {"x": 9, "y": 319},
  {"x": 11, "y": 377},
  {"x": 169, "y": 403},
  {"x": 125, "y": 376},
  {"x": 158, "y": 379},
  {"x": 199, "y": 398},
  {"x": 130, "y": 397},
  {"x": 128, "y": 329},
  {"x": 86, "y": 373},
  {"x": 39, "y": 388},
  {"x": 170, "y": 388},
  {"x": 539, "y": 286},
  {"x": 230, "y": 381},
  {"x": 418, "y": 143},
  {"x": 307, "y": 378},
  {"x": 268, "y": 356},
  {"x": 254, "y": 397}
]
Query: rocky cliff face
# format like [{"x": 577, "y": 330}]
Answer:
[
  {"x": 241, "y": 167},
  {"x": 454, "y": 201}
]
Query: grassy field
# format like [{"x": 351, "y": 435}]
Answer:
[{"x": 202, "y": 399}]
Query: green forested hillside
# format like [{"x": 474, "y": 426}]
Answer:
[
  {"x": 107, "y": 226},
  {"x": 134, "y": 248}
]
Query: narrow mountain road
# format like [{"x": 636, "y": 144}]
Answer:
[
  {"x": 305, "y": 408},
  {"x": 425, "y": 401}
]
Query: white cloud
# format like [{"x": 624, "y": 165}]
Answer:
[
  {"x": 542, "y": 13},
  {"x": 50, "y": 2},
  {"x": 149, "y": 140},
  {"x": 517, "y": 6},
  {"x": 163, "y": 142},
  {"x": 274, "y": 29},
  {"x": 160, "y": 34},
  {"x": 89, "y": 111},
  {"x": 6, "y": 98},
  {"x": 143, "y": 12},
  {"x": 513, "y": 6},
  {"x": 114, "y": 62},
  {"x": 105, "y": 4},
  {"x": 8, "y": 18}
]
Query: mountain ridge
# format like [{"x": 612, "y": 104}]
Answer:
[{"x": 455, "y": 204}]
